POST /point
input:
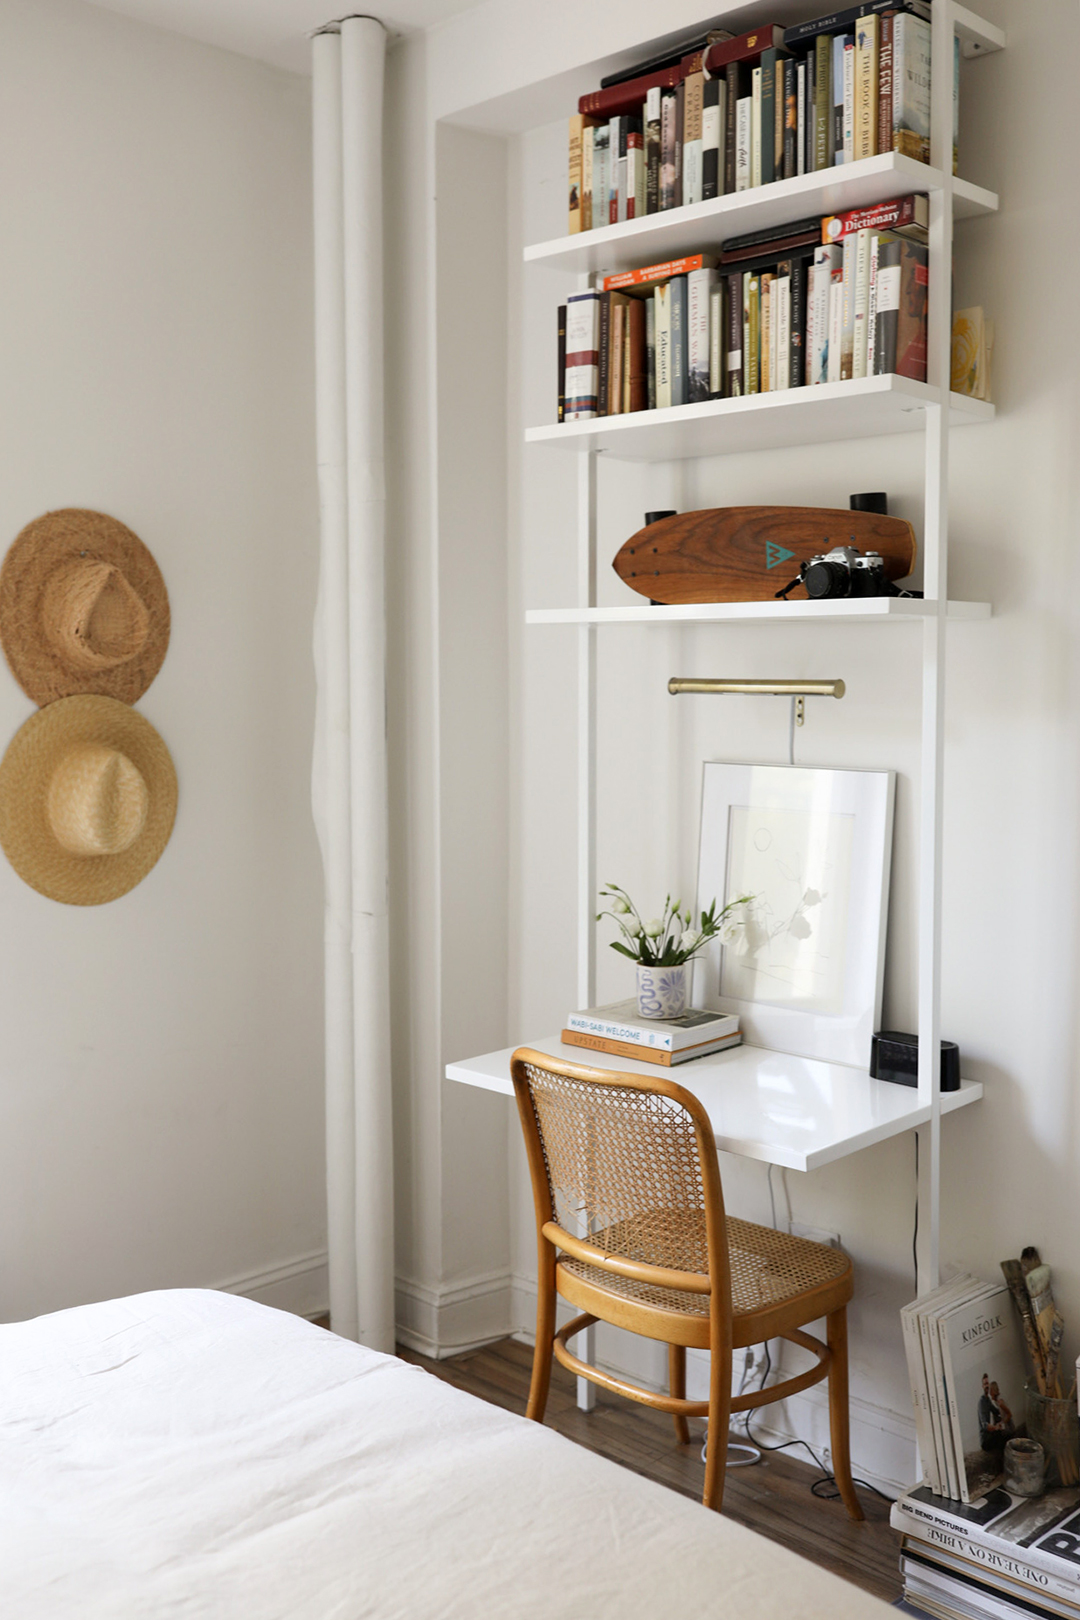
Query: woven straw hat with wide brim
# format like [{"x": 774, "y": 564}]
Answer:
[
  {"x": 83, "y": 608},
  {"x": 87, "y": 800}
]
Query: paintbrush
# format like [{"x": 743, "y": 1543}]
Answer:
[
  {"x": 1014, "y": 1276},
  {"x": 1037, "y": 1282}
]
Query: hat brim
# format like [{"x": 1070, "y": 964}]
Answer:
[
  {"x": 26, "y": 771},
  {"x": 34, "y": 555}
]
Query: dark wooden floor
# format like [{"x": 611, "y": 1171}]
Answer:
[{"x": 773, "y": 1497}]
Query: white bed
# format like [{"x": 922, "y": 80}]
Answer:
[{"x": 193, "y": 1454}]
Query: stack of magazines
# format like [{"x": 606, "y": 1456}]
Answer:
[
  {"x": 1007, "y": 1557},
  {"x": 620, "y": 1029}
]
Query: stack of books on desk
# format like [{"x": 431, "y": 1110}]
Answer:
[
  {"x": 621, "y": 1030},
  {"x": 1009, "y": 1557}
]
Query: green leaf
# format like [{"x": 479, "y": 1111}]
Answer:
[{"x": 623, "y": 950}]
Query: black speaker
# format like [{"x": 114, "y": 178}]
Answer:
[{"x": 895, "y": 1056}]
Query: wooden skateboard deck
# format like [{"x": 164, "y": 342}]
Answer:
[{"x": 748, "y": 553}]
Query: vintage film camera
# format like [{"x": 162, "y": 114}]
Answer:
[{"x": 845, "y": 571}]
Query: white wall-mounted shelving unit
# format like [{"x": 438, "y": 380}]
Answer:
[{"x": 803, "y": 416}]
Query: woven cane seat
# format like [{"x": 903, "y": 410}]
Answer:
[{"x": 767, "y": 1267}]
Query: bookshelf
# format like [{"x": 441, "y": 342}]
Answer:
[{"x": 839, "y": 412}]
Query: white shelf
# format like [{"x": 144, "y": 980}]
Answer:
[
  {"x": 869, "y": 610},
  {"x": 830, "y": 412},
  {"x": 679, "y": 231},
  {"x": 977, "y": 37},
  {"x": 784, "y": 1110}
]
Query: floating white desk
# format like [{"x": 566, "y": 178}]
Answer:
[{"x": 791, "y": 1111}]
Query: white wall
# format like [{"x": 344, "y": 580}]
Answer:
[
  {"x": 161, "y": 1064},
  {"x": 1011, "y": 883}
]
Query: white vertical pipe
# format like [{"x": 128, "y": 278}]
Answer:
[
  {"x": 331, "y": 797},
  {"x": 935, "y": 582},
  {"x": 586, "y": 792},
  {"x": 363, "y": 58},
  {"x": 350, "y": 788}
]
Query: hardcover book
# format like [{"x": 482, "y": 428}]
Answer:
[
  {"x": 649, "y": 1054},
  {"x": 621, "y": 1021},
  {"x": 582, "y": 354},
  {"x": 911, "y": 87},
  {"x": 712, "y": 138},
  {"x": 1024, "y": 1536},
  {"x": 699, "y": 286},
  {"x": 623, "y": 280}
]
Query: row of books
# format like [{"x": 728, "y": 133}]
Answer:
[
  {"x": 809, "y": 302},
  {"x": 618, "y": 1028},
  {"x": 745, "y": 112},
  {"x": 1004, "y": 1557}
]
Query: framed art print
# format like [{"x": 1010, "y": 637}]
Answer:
[{"x": 812, "y": 848}]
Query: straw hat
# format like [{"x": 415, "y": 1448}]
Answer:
[
  {"x": 83, "y": 608},
  {"x": 87, "y": 800}
]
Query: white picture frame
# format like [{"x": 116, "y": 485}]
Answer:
[{"x": 814, "y": 847}]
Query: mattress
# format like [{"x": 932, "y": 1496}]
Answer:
[{"x": 188, "y": 1453}]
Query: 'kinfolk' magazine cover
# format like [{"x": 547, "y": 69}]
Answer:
[{"x": 983, "y": 1367}]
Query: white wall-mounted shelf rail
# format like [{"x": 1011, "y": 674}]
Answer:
[
  {"x": 859, "y": 408},
  {"x": 867, "y": 610},
  {"x": 677, "y": 231}
]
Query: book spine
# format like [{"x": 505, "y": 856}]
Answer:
[
  {"x": 615, "y": 362},
  {"x": 658, "y": 272},
  {"x": 850, "y": 74},
  {"x": 693, "y": 110},
  {"x": 667, "y": 150},
  {"x": 637, "y": 371},
  {"x": 902, "y": 214},
  {"x": 885, "y": 53},
  {"x": 635, "y": 170},
  {"x": 731, "y": 114},
  {"x": 587, "y": 146},
  {"x": 755, "y": 127},
  {"x": 836, "y": 323},
  {"x": 603, "y": 390},
  {"x": 888, "y": 308},
  {"x": 663, "y": 345},
  {"x": 680, "y": 346},
  {"x": 836, "y": 126},
  {"x": 711, "y": 165},
  {"x": 956, "y": 106},
  {"x": 765, "y": 292},
  {"x": 601, "y": 176},
  {"x": 822, "y": 100},
  {"x": 680, "y": 136},
  {"x": 911, "y": 322},
  {"x": 577, "y": 130},
  {"x": 733, "y": 355},
  {"x": 971, "y": 1540},
  {"x": 778, "y": 119},
  {"x": 619, "y": 142},
  {"x": 626, "y": 356},
  {"x": 913, "y": 1355},
  {"x": 797, "y": 361},
  {"x": 582, "y": 354},
  {"x": 911, "y": 87},
  {"x": 847, "y": 342},
  {"x": 650, "y": 349},
  {"x": 782, "y": 322},
  {"x": 652, "y": 151},
  {"x": 767, "y": 82},
  {"x": 562, "y": 363},
  {"x": 699, "y": 288},
  {"x": 1006, "y": 1577},
  {"x": 862, "y": 303},
  {"x": 752, "y": 334},
  {"x": 825, "y": 261},
  {"x": 743, "y": 123},
  {"x": 800, "y": 115},
  {"x": 791, "y": 118},
  {"x": 871, "y": 306},
  {"x": 808, "y": 344},
  {"x": 716, "y": 341},
  {"x": 867, "y": 52},
  {"x": 647, "y": 1054}
]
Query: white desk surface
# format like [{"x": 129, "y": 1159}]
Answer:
[{"x": 792, "y": 1111}]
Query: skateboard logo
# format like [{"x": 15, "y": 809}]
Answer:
[{"x": 775, "y": 554}]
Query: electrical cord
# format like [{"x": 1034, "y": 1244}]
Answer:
[{"x": 915, "y": 1235}]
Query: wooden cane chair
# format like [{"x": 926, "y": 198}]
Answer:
[{"x": 631, "y": 1160}]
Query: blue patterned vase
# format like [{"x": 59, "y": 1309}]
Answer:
[{"x": 661, "y": 991}]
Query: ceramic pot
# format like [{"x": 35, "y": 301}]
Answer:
[{"x": 661, "y": 991}]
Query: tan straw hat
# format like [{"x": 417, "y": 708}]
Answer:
[
  {"x": 83, "y": 608},
  {"x": 87, "y": 800}
]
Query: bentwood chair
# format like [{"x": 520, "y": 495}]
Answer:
[{"x": 631, "y": 1161}]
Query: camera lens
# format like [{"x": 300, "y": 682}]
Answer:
[{"x": 823, "y": 579}]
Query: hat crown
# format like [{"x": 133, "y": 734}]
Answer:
[
  {"x": 92, "y": 616},
  {"x": 97, "y": 800}
]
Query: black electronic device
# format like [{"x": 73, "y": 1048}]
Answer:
[
  {"x": 845, "y": 571},
  {"x": 895, "y": 1056}
]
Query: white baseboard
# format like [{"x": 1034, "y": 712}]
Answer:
[
  {"x": 445, "y": 1320},
  {"x": 301, "y": 1286}
]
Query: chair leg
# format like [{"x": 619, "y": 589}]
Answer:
[
  {"x": 838, "y": 1412},
  {"x": 676, "y": 1355},
  {"x": 719, "y": 1422},
  {"x": 545, "y": 1333}
]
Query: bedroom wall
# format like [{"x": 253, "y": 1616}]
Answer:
[
  {"x": 161, "y": 1058},
  {"x": 1011, "y": 882}
]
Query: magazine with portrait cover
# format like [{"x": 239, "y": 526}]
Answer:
[{"x": 983, "y": 1368}]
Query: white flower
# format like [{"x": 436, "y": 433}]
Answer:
[
  {"x": 620, "y": 908},
  {"x": 811, "y": 898},
  {"x": 633, "y": 927},
  {"x": 655, "y": 928},
  {"x": 690, "y": 941}
]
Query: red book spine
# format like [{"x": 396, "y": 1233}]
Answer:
[
  {"x": 886, "y": 216},
  {"x": 627, "y": 97}
]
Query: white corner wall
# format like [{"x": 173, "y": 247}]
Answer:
[{"x": 161, "y": 1062}]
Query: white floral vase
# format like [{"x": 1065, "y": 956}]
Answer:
[{"x": 661, "y": 991}]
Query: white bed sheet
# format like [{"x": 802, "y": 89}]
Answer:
[{"x": 188, "y": 1453}]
